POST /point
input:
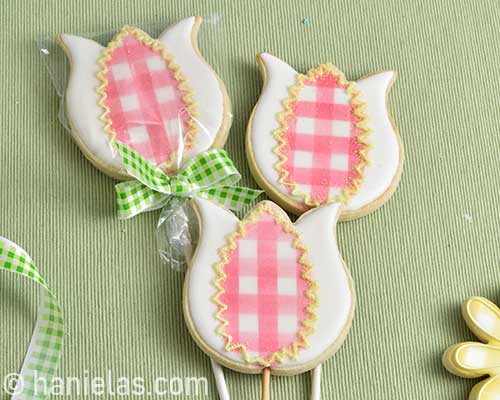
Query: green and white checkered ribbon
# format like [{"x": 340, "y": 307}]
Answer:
[
  {"x": 209, "y": 175},
  {"x": 44, "y": 352}
]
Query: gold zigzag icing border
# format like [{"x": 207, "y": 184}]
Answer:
[
  {"x": 358, "y": 110},
  {"x": 183, "y": 85},
  {"x": 307, "y": 328}
]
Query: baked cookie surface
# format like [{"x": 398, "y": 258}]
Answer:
[
  {"x": 265, "y": 293},
  {"x": 317, "y": 138},
  {"x": 159, "y": 96}
]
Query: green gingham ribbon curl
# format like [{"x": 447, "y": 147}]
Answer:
[
  {"x": 210, "y": 175},
  {"x": 45, "y": 349}
]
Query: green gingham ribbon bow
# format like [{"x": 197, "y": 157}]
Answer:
[
  {"x": 209, "y": 175},
  {"x": 44, "y": 352}
]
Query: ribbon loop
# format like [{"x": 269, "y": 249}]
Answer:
[{"x": 210, "y": 175}]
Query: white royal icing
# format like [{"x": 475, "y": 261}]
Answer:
[
  {"x": 317, "y": 228},
  {"x": 207, "y": 93},
  {"x": 383, "y": 156},
  {"x": 82, "y": 98}
]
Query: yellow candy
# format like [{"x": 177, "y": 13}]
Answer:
[{"x": 474, "y": 359}]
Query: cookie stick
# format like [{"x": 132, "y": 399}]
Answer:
[
  {"x": 224, "y": 394},
  {"x": 266, "y": 376},
  {"x": 219, "y": 380},
  {"x": 316, "y": 383},
  {"x": 315, "y": 387}
]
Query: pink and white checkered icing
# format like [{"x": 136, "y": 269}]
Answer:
[
  {"x": 146, "y": 107},
  {"x": 320, "y": 140},
  {"x": 265, "y": 291}
]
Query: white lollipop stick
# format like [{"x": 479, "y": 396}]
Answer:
[
  {"x": 316, "y": 383},
  {"x": 220, "y": 381},
  {"x": 224, "y": 394}
]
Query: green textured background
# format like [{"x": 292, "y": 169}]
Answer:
[{"x": 413, "y": 262}]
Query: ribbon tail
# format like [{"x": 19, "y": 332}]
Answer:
[
  {"x": 45, "y": 349},
  {"x": 231, "y": 197}
]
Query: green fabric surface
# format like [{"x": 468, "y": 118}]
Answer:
[{"x": 413, "y": 261}]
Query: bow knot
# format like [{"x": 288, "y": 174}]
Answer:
[{"x": 210, "y": 175}]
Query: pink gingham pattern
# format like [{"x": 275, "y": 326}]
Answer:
[
  {"x": 320, "y": 140},
  {"x": 265, "y": 290},
  {"x": 146, "y": 107}
]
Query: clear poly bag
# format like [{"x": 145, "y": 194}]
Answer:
[
  {"x": 148, "y": 87},
  {"x": 176, "y": 233}
]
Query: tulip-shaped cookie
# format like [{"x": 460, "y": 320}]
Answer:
[
  {"x": 317, "y": 138},
  {"x": 263, "y": 295},
  {"x": 159, "y": 96}
]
